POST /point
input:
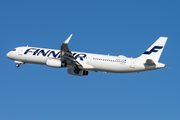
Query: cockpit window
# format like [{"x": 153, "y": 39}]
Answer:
[{"x": 14, "y": 50}]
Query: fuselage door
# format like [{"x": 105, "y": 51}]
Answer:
[
  {"x": 133, "y": 61},
  {"x": 89, "y": 59},
  {"x": 20, "y": 51}
]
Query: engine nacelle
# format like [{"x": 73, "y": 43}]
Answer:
[
  {"x": 57, "y": 63},
  {"x": 80, "y": 73}
]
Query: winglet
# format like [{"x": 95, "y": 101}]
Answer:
[
  {"x": 64, "y": 46},
  {"x": 67, "y": 40}
]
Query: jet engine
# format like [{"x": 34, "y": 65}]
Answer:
[
  {"x": 79, "y": 73},
  {"x": 57, "y": 63}
]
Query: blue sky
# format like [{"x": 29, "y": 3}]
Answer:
[{"x": 35, "y": 92}]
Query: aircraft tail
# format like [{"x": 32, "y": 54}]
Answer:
[{"x": 154, "y": 51}]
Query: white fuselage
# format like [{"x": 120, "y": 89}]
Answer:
[{"x": 90, "y": 62}]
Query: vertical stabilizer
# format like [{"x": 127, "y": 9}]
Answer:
[{"x": 154, "y": 52}]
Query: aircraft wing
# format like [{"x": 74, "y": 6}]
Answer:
[{"x": 67, "y": 56}]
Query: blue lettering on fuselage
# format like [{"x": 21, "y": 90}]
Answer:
[
  {"x": 43, "y": 53},
  {"x": 29, "y": 50},
  {"x": 37, "y": 52},
  {"x": 54, "y": 54},
  {"x": 80, "y": 56}
]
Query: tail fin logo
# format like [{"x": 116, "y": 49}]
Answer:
[{"x": 154, "y": 49}]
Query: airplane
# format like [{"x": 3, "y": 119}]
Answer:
[{"x": 80, "y": 63}]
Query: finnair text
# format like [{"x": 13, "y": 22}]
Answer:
[{"x": 52, "y": 53}]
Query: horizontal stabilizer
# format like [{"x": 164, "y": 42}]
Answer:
[{"x": 149, "y": 62}]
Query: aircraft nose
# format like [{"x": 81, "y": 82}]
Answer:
[{"x": 8, "y": 54}]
